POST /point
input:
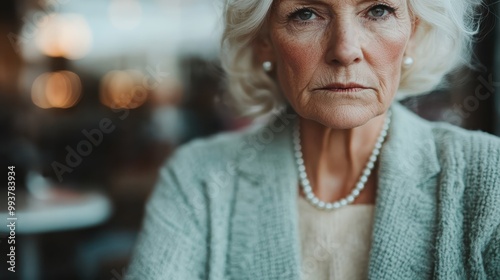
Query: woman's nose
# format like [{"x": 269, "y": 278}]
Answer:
[{"x": 344, "y": 46}]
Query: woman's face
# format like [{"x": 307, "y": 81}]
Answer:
[{"x": 338, "y": 62}]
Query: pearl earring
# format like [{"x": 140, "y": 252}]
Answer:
[
  {"x": 267, "y": 66},
  {"x": 408, "y": 62}
]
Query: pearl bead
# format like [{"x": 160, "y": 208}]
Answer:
[
  {"x": 367, "y": 172},
  {"x": 363, "y": 179},
  {"x": 408, "y": 61}
]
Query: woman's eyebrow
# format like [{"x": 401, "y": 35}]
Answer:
[{"x": 325, "y": 2}]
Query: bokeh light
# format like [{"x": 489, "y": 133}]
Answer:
[
  {"x": 64, "y": 35},
  {"x": 56, "y": 90},
  {"x": 123, "y": 89}
]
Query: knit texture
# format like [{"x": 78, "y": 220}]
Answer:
[{"x": 226, "y": 207}]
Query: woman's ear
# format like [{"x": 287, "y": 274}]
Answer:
[
  {"x": 414, "y": 29},
  {"x": 264, "y": 49}
]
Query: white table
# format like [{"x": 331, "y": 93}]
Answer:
[{"x": 59, "y": 210}]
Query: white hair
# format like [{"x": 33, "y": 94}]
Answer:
[{"x": 444, "y": 39}]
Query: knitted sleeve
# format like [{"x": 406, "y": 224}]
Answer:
[
  {"x": 483, "y": 209},
  {"x": 492, "y": 256},
  {"x": 171, "y": 244}
]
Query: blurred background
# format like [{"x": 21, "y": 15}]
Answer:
[{"x": 94, "y": 97}]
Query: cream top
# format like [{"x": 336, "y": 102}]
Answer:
[{"x": 335, "y": 245}]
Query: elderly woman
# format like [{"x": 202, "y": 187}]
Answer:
[{"x": 344, "y": 183}]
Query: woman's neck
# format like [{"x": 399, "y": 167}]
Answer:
[{"x": 335, "y": 158}]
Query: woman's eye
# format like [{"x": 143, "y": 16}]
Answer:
[
  {"x": 304, "y": 15},
  {"x": 380, "y": 11}
]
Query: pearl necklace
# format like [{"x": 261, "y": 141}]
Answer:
[{"x": 360, "y": 185}]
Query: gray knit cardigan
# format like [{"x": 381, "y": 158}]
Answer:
[{"x": 225, "y": 207}]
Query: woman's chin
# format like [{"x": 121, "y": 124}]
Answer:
[{"x": 345, "y": 116}]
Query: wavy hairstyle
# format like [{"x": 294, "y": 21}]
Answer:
[{"x": 444, "y": 35}]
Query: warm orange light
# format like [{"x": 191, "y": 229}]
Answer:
[
  {"x": 56, "y": 90},
  {"x": 64, "y": 35},
  {"x": 123, "y": 89}
]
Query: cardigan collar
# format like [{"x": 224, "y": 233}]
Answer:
[{"x": 267, "y": 185}]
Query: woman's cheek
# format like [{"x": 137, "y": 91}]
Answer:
[
  {"x": 297, "y": 49},
  {"x": 392, "y": 39},
  {"x": 298, "y": 57},
  {"x": 385, "y": 49}
]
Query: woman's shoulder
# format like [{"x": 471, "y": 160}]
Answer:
[
  {"x": 225, "y": 148},
  {"x": 211, "y": 152},
  {"x": 475, "y": 146},
  {"x": 472, "y": 157},
  {"x": 450, "y": 140}
]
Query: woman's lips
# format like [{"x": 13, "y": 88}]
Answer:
[
  {"x": 337, "y": 87},
  {"x": 343, "y": 89}
]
